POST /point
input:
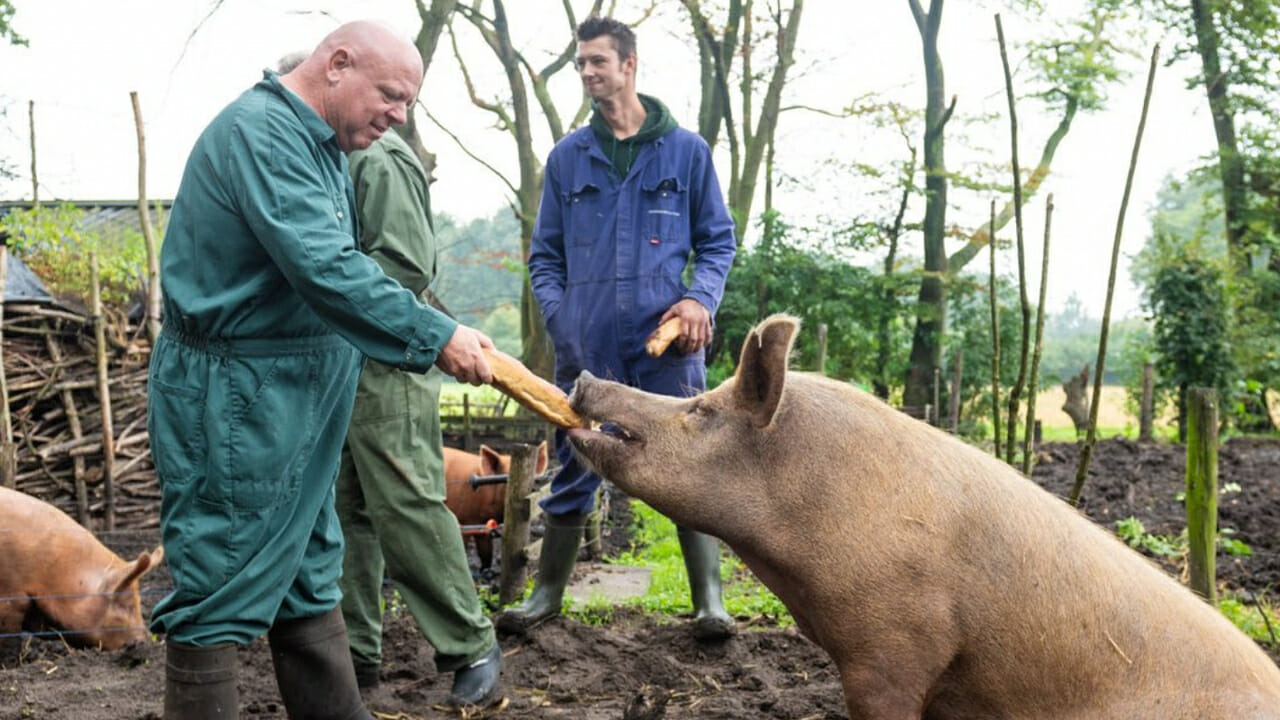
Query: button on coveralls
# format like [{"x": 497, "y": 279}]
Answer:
[{"x": 266, "y": 300}]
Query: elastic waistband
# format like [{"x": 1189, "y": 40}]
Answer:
[{"x": 255, "y": 346}]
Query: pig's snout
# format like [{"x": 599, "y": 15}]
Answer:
[{"x": 577, "y": 396}]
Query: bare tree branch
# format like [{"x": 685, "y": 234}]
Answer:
[{"x": 462, "y": 146}]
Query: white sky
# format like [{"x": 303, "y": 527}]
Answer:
[{"x": 87, "y": 55}]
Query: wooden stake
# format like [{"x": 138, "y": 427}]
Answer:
[
  {"x": 1202, "y": 490},
  {"x": 104, "y": 395},
  {"x": 77, "y": 432},
  {"x": 31, "y": 124},
  {"x": 953, "y": 409},
  {"x": 1145, "y": 414},
  {"x": 517, "y": 514},
  {"x": 1015, "y": 393},
  {"x": 995, "y": 336},
  {"x": 822, "y": 348},
  {"x": 8, "y": 451},
  {"x": 148, "y": 236},
  {"x": 1091, "y": 437},
  {"x": 1034, "y": 389}
]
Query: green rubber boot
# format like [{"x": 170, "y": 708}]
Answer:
[
  {"x": 200, "y": 682},
  {"x": 313, "y": 669},
  {"x": 555, "y": 565},
  {"x": 702, "y": 560}
]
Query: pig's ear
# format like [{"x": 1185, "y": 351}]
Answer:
[
  {"x": 490, "y": 461},
  {"x": 762, "y": 368},
  {"x": 121, "y": 578},
  {"x": 542, "y": 458}
]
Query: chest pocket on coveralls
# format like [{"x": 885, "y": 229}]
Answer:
[
  {"x": 583, "y": 214},
  {"x": 666, "y": 223}
]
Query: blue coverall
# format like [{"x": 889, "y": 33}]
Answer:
[{"x": 607, "y": 260}]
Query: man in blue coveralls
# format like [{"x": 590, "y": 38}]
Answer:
[
  {"x": 269, "y": 305},
  {"x": 626, "y": 202}
]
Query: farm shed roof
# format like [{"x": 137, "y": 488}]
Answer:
[{"x": 22, "y": 284}]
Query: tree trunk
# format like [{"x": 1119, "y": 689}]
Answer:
[
  {"x": 1230, "y": 164},
  {"x": 931, "y": 302}
]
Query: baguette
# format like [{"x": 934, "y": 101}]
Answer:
[
  {"x": 513, "y": 378},
  {"x": 661, "y": 338}
]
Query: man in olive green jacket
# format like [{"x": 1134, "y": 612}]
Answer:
[{"x": 391, "y": 490}]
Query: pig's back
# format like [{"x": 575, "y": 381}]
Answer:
[
  {"x": 1074, "y": 596},
  {"x": 1047, "y": 610}
]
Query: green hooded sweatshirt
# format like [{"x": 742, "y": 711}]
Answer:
[{"x": 657, "y": 122}]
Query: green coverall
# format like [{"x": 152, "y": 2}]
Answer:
[
  {"x": 390, "y": 492},
  {"x": 268, "y": 303}
]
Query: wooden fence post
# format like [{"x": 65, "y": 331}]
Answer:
[
  {"x": 953, "y": 410},
  {"x": 517, "y": 514},
  {"x": 77, "y": 432},
  {"x": 935, "y": 418},
  {"x": 1202, "y": 489},
  {"x": 1145, "y": 413},
  {"x": 468, "y": 442},
  {"x": 8, "y": 451},
  {"x": 822, "y": 348},
  {"x": 104, "y": 394}
]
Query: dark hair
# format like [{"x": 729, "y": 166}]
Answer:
[{"x": 624, "y": 41}]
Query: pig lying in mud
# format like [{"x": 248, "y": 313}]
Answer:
[
  {"x": 943, "y": 583},
  {"x": 55, "y": 575}
]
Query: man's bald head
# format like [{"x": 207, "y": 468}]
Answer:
[{"x": 362, "y": 78}]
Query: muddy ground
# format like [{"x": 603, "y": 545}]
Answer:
[{"x": 567, "y": 669}]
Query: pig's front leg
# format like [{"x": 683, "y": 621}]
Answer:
[{"x": 877, "y": 690}]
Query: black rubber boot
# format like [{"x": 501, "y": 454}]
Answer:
[
  {"x": 477, "y": 684},
  {"x": 200, "y": 682},
  {"x": 702, "y": 560},
  {"x": 313, "y": 669},
  {"x": 555, "y": 565}
]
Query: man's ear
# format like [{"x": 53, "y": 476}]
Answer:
[{"x": 762, "y": 367}]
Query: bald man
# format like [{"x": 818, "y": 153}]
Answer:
[{"x": 269, "y": 309}]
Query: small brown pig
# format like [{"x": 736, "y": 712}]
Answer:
[
  {"x": 55, "y": 575},
  {"x": 478, "y": 505},
  {"x": 944, "y": 584}
]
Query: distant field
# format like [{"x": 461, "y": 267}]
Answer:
[{"x": 1111, "y": 413}]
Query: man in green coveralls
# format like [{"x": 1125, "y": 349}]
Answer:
[
  {"x": 391, "y": 489},
  {"x": 268, "y": 305}
]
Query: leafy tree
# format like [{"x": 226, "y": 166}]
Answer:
[
  {"x": 480, "y": 268},
  {"x": 749, "y": 124},
  {"x": 1069, "y": 70},
  {"x": 1187, "y": 300},
  {"x": 812, "y": 278},
  {"x": 6, "y": 25}
]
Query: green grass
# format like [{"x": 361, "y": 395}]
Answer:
[
  {"x": 1067, "y": 433},
  {"x": 657, "y": 548},
  {"x": 1259, "y": 621}
]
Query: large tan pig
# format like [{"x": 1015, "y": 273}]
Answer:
[
  {"x": 477, "y": 505},
  {"x": 55, "y": 575},
  {"x": 944, "y": 584}
]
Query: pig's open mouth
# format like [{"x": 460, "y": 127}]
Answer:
[{"x": 607, "y": 432}]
